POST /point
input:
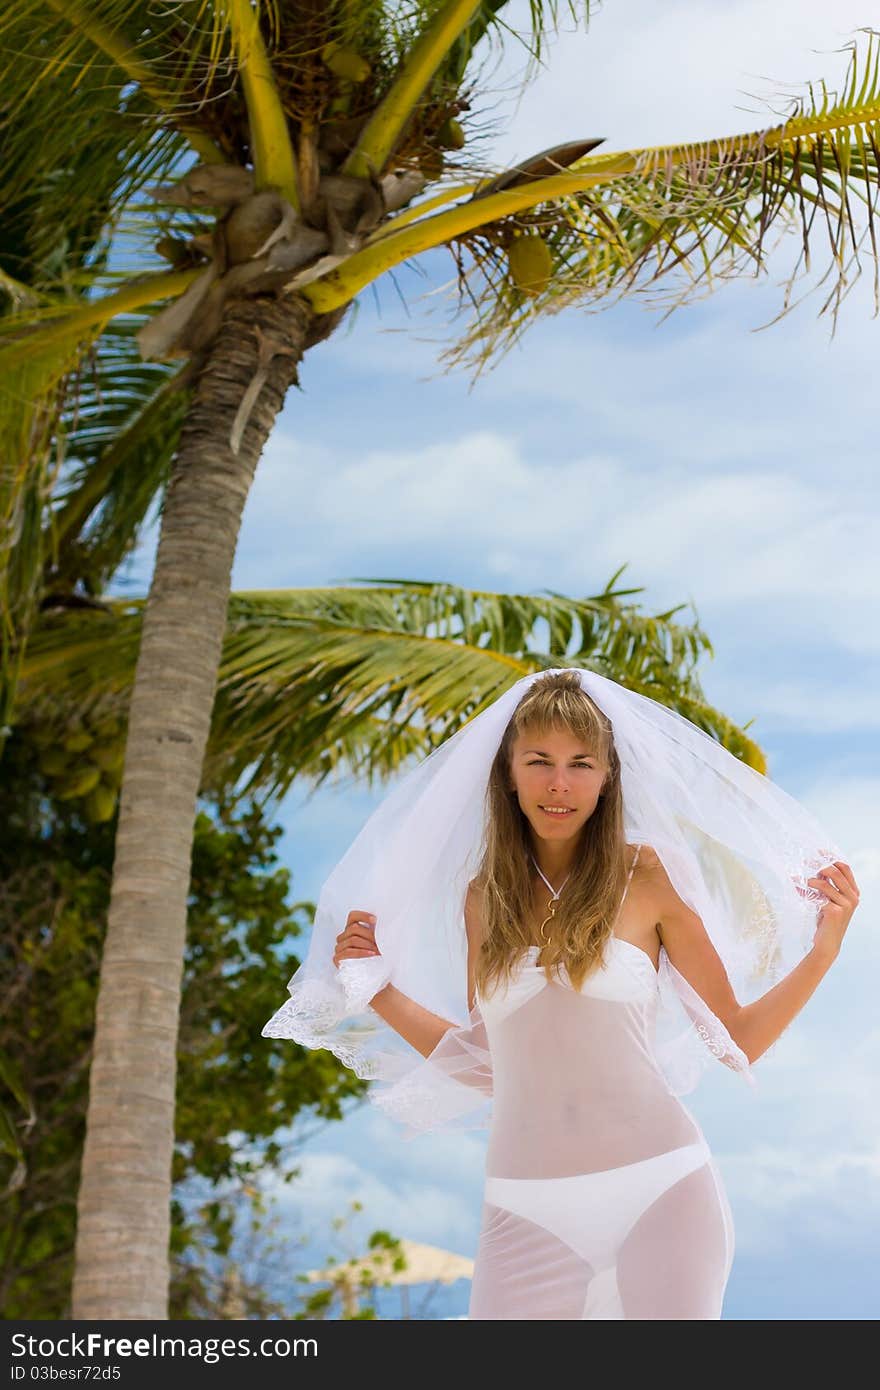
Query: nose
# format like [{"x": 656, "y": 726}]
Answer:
[{"x": 558, "y": 782}]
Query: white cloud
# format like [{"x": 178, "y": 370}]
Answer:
[
  {"x": 784, "y": 1196},
  {"x": 749, "y": 540},
  {"x": 806, "y": 705}
]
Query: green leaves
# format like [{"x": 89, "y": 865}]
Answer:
[
  {"x": 382, "y": 132},
  {"x": 122, "y": 424},
  {"x": 324, "y": 682},
  {"x": 235, "y": 1092},
  {"x": 81, "y": 139},
  {"x": 681, "y": 218},
  {"x": 11, "y": 1084},
  {"x": 42, "y": 358}
]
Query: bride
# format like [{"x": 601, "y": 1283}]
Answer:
[{"x": 601, "y": 1199}]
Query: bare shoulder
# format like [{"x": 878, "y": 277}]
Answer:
[
  {"x": 650, "y": 879},
  {"x": 657, "y": 885},
  {"x": 648, "y": 859},
  {"x": 474, "y": 892}
]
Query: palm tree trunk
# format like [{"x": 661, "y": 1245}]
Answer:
[{"x": 122, "y": 1268}]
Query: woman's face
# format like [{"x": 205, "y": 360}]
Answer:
[{"x": 557, "y": 781}]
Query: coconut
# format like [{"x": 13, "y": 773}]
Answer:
[
  {"x": 76, "y": 741},
  {"x": 100, "y": 804},
  {"x": 78, "y": 783},
  {"x": 530, "y": 263},
  {"x": 346, "y": 63},
  {"x": 451, "y": 134},
  {"x": 110, "y": 757}
]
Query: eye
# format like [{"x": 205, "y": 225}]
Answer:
[{"x": 542, "y": 762}]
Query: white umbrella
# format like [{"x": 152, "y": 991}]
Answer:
[{"x": 424, "y": 1264}]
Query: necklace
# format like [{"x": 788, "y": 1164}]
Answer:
[{"x": 554, "y": 897}]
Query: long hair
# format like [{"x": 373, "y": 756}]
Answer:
[{"x": 585, "y": 912}]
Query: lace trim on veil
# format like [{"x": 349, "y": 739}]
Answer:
[
  {"x": 451, "y": 1088},
  {"x": 684, "y": 1050}
]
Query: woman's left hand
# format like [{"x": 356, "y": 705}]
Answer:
[{"x": 838, "y": 884}]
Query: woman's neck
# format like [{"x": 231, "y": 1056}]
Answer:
[{"x": 554, "y": 861}]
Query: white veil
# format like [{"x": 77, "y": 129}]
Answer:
[{"x": 737, "y": 849}]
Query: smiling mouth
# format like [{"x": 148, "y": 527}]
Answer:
[{"x": 559, "y": 813}]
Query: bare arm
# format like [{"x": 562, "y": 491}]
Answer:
[
  {"x": 421, "y": 1029},
  {"x": 417, "y": 1025},
  {"x": 763, "y": 1021},
  {"x": 759, "y": 1024},
  {"x": 756, "y": 1026}
]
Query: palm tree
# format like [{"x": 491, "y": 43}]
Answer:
[{"x": 331, "y": 139}]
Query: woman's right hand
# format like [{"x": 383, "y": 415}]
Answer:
[{"x": 357, "y": 938}]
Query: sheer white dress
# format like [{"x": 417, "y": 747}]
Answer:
[{"x": 601, "y": 1197}]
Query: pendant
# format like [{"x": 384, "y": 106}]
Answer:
[{"x": 552, "y": 906}]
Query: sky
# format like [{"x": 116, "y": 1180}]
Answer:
[{"x": 730, "y": 463}]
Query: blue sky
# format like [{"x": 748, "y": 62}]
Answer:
[{"x": 730, "y": 468}]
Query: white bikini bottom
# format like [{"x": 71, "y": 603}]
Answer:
[{"x": 593, "y": 1213}]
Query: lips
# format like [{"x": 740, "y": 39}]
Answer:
[{"x": 558, "y": 815}]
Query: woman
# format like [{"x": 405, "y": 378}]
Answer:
[{"x": 601, "y": 1196}]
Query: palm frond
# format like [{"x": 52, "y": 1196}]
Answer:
[
  {"x": 84, "y": 19},
  {"x": 695, "y": 215},
  {"x": 273, "y": 158},
  {"x": 492, "y": 20},
  {"x": 119, "y": 431},
  {"x": 80, "y": 139},
  {"x": 24, "y": 493},
  {"x": 380, "y": 136},
  {"x": 314, "y": 682},
  {"x": 33, "y": 256},
  {"x": 102, "y": 98},
  {"x": 41, "y": 353},
  {"x": 17, "y": 294},
  {"x": 120, "y": 442},
  {"x": 621, "y": 222}
]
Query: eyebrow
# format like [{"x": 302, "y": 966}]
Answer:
[{"x": 545, "y": 754}]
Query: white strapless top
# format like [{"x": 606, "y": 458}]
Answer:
[{"x": 627, "y": 975}]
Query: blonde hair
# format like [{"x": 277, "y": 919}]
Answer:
[{"x": 585, "y": 912}]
